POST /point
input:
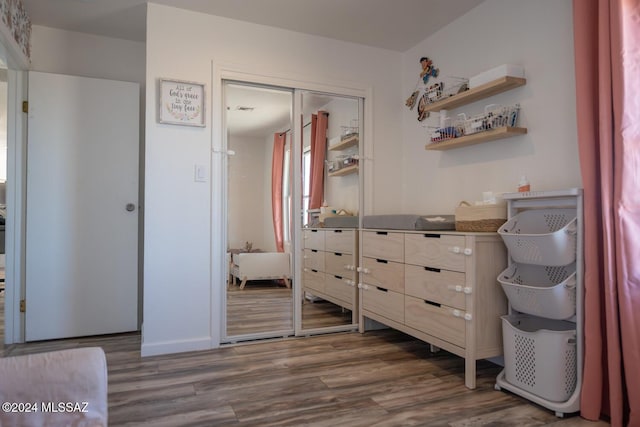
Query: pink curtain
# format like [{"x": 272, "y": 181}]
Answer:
[
  {"x": 319, "y": 125},
  {"x": 277, "y": 170},
  {"x": 607, "y": 61}
]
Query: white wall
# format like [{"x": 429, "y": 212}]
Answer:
[
  {"x": 247, "y": 171},
  {"x": 498, "y": 32},
  {"x": 182, "y": 277},
  {"x": 80, "y": 54}
]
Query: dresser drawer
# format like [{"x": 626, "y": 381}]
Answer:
[
  {"x": 435, "y": 319},
  {"x": 340, "y": 288},
  {"x": 383, "y": 245},
  {"x": 342, "y": 241},
  {"x": 314, "y": 259},
  {"x": 441, "y": 286},
  {"x": 435, "y": 250},
  {"x": 313, "y": 239},
  {"x": 385, "y": 303},
  {"x": 386, "y": 274},
  {"x": 340, "y": 264},
  {"x": 314, "y": 280}
]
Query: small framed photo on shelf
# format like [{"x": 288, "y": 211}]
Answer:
[{"x": 181, "y": 103}]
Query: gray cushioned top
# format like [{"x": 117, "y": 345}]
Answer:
[
  {"x": 409, "y": 222},
  {"x": 341, "y": 221}
]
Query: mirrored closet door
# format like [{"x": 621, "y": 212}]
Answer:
[
  {"x": 329, "y": 207},
  {"x": 293, "y": 204},
  {"x": 259, "y": 293}
]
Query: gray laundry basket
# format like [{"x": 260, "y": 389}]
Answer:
[
  {"x": 541, "y": 236},
  {"x": 545, "y": 291},
  {"x": 540, "y": 355}
]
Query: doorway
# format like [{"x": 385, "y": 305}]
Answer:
[
  {"x": 81, "y": 240},
  {"x": 3, "y": 190}
]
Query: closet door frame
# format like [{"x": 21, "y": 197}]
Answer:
[{"x": 219, "y": 156}]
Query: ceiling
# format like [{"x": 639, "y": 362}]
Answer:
[
  {"x": 389, "y": 24},
  {"x": 254, "y": 111}
]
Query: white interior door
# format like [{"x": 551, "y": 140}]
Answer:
[{"x": 82, "y": 202}]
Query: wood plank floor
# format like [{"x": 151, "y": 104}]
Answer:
[
  {"x": 264, "y": 306},
  {"x": 321, "y": 314},
  {"x": 380, "y": 378},
  {"x": 261, "y": 306}
]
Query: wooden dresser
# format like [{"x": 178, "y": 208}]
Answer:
[
  {"x": 330, "y": 263},
  {"x": 439, "y": 287}
]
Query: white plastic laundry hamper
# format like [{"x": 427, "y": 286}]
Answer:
[
  {"x": 540, "y": 355},
  {"x": 541, "y": 236},
  {"x": 541, "y": 290}
]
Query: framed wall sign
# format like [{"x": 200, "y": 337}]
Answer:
[{"x": 181, "y": 102}]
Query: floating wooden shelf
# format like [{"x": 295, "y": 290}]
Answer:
[
  {"x": 477, "y": 138},
  {"x": 345, "y": 171},
  {"x": 477, "y": 93},
  {"x": 349, "y": 142}
]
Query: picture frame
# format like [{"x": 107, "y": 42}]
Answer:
[{"x": 182, "y": 103}]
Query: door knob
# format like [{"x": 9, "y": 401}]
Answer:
[{"x": 130, "y": 207}]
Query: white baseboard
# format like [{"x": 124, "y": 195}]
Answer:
[{"x": 178, "y": 346}]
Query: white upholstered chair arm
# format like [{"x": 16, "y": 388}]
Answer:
[{"x": 67, "y": 377}]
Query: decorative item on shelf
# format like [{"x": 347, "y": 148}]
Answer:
[
  {"x": 349, "y": 131},
  {"x": 443, "y": 133},
  {"x": 341, "y": 162},
  {"x": 411, "y": 100},
  {"x": 347, "y": 160},
  {"x": 494, "y": 116},
  {"x": 447, "y": 129},
  {"x": 434, "y": 92},
  {"x": 428, "y": 70},
  {"x": 504, "y": 70},
  {"x": 422, "y": 108},
  {"x": 420, "y": 94},
  {"x": 332, "y": 165},
  {"x": 449, "y": 87}
]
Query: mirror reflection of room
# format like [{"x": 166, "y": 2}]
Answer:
[
  {"x": 330, "y": 208},
  {"x": 259, "y": 291}
]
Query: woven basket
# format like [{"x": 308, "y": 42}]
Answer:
[{"x": 483, "y": 218}]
